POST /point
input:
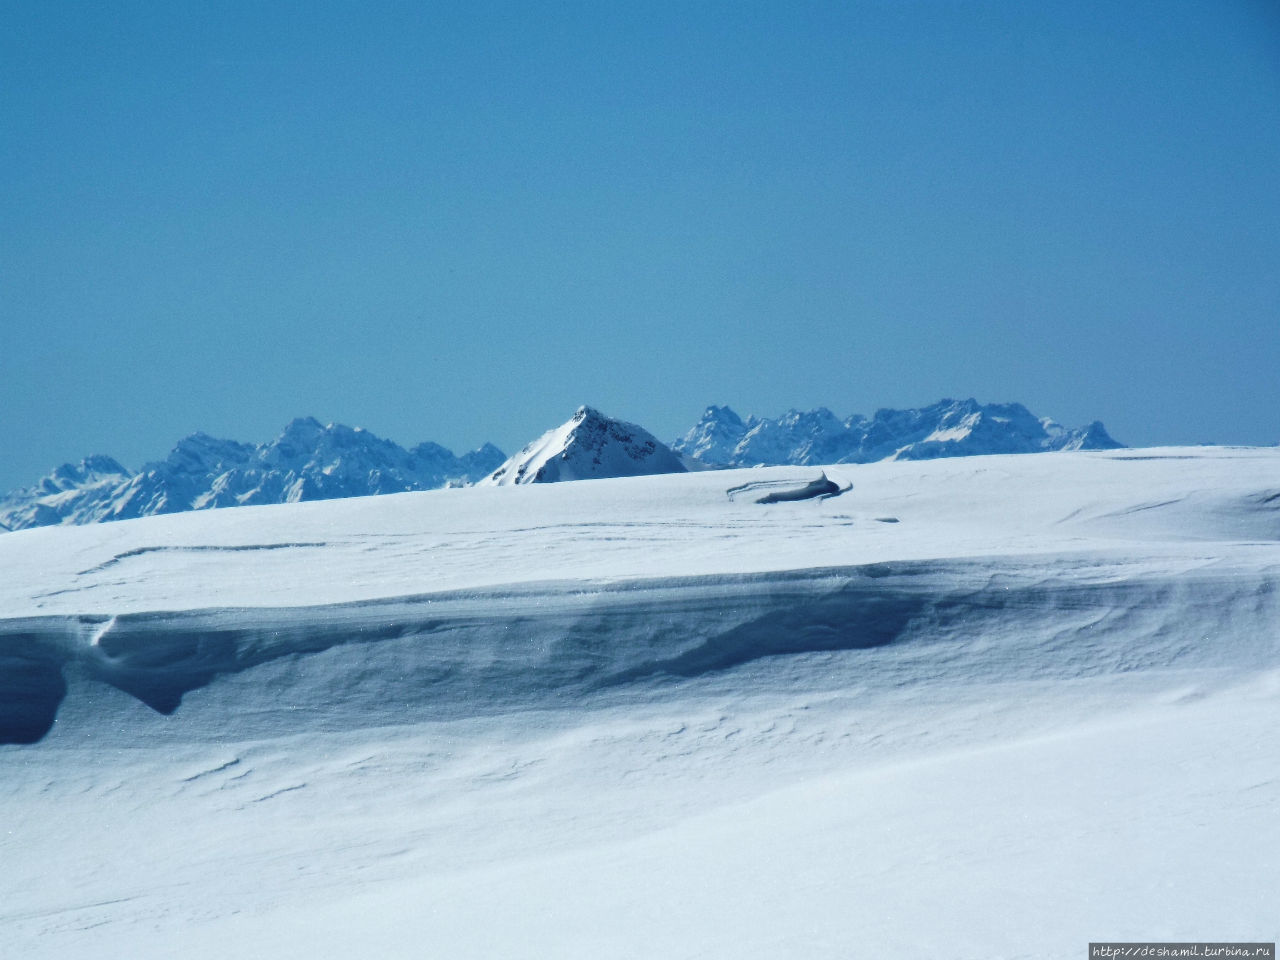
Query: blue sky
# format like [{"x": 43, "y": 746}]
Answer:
[{"x": 457, "y": 222}]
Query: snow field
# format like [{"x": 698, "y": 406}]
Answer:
[{"x": 637, "y": 718}]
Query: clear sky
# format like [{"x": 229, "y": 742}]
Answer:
[{"x": 456, "y": 222}]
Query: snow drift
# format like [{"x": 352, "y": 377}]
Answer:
[{"x": 451, "y": 655}]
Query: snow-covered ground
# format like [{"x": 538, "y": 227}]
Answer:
[{"x": 980, "y": 707}]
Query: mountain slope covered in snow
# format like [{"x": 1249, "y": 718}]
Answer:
[
  {"x": 655, "y": 716},
  {"x": 307, "y": 461},
  {"x": 948, "y": 428},
  {"x": 588, "y": 446}
]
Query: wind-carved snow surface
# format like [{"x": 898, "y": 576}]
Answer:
[{"x": 652, "y": 717}]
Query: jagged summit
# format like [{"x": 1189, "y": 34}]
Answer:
[
  {"x": 307, "y": 461},
  {"x": 588, "y": 446},
  {"x": 714, "y": 437},
  {"x": 948, "y": 428},
  {"x": 91, "y": 483},
  {"x": 97, "y": 468}
]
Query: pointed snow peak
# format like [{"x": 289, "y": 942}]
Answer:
[
  {"x": 89, "y": 470},
  {"x": 102, "y": 465},
  {"x": 300, "y": 437},
  {"x": 200, "y": 453},
  {"x": 92, "y": 471},
  {"x": 303, "y": 423},
  {"x": 723, "y": 415},
  {"x": 302, "y": 428},
  {"x": 1092, "y": 437},
  {"x": 482, "y": 461},
  {"x": 588, "y": 446},
  {"x": 818, "y": 419},
  {"x": 714, "y": 437},
  {"x": 195, "y": 441},
  {"x": 1095, "y": 437}
]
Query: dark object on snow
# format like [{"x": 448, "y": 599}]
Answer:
[{"x": 822, "y": 487}]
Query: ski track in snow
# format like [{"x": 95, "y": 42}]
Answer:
[{"x": 639, "y": 718}]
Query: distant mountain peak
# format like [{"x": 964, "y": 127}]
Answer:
[
  {"x": 714, "y": 437},
  {"x": 589, "y": 445},
  {"x": 92, "y": 469},
  {"x": 722, "y": 415}
]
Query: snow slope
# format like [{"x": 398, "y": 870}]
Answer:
[{"x": 985, "y": 707}]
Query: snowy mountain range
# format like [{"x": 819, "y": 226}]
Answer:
[
  {"x": 948, "y": 428},
  {"x": 309, "y": 461}
]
